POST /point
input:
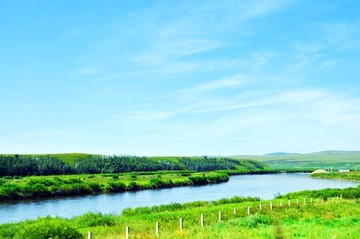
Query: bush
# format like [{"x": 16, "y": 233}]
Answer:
[
  {"x": 92, "y": 219},
  {"x": 115, "y": 186},
  {"x": 253, "y": 221},
  {"x": 48, "y": 227}
]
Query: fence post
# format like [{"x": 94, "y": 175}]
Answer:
[
  {"x": 248, "y": 210},
  {"x": 289, "y": 203},
  {"x": 270, "y": 205},
  {"x": 234, "y": 210},
  {"x": 127, "y": 232},
  {"x": 181, "y": 223},
  {"x": 340, "y": 196},
  {"x": 311, "y": 200},
  {"x": 89, "y": 235},
  {"x": 260, "y": 207},
  {"x": 157, "y": 229},
  {"x": 219, "y": 216},
  {"x": 297, "y": 201},
  {"x": 202, "y": 220},
  {"x": 304, "y": 201},
  {"x": 281, "y": 204},
  {"x": 322, "y": 200}
]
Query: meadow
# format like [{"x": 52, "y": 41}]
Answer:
[
  {"x": 338, "y": 216},
  {"x": 320, "y": 160},
  {"x": 61, "y": 185},
  {"x": 350, "y": 176}
]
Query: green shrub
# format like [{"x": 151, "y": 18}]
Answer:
[
  {"x": 253, "y": 221},
  {"x": 8, "y": 230},
  {"x": 92, "y": 219},
  {"x": 48, "y": 227},
  {"x": 116, "y": 186}
]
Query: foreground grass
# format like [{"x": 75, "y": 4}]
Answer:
[
  {"x": 351, "y": 176},
  {"x": 333, "y": 218}
]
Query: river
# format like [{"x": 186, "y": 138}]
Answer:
[{"x": 262, "y": 186}]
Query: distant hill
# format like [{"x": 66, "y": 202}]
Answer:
[
  {"x": 336, "y": 159},
  {"x": 280, "y": 154}
]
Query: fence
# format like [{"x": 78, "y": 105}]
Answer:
[{"x": 235, "y": 212}]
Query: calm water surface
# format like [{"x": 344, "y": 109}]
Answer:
[{"x": 263, "y": 186}]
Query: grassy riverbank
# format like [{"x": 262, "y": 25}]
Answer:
[
  {"x": 350, "y": 176},
  {"x": 49, "y": 186},
  {"x": 338, "y": 218}
]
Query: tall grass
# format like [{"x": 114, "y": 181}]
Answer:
[{"x": 339, "y": 218}]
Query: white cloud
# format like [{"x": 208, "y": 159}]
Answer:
[{"x": 228, "y": 82}]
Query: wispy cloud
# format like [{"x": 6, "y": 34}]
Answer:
[{"x": 228, "y": 82}]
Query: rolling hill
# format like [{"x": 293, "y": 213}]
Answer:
[{"x": 335, "y": 159}]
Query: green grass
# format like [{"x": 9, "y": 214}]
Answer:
[
  {"x": 330, "y": 219},
  {"x": 324, "y": 159},
  {"x": 63, "y": 185},
  {"x": 351, "y": 176}
]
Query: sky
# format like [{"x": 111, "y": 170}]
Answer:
[{"x": 179, "y": 77}]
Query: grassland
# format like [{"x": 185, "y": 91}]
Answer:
[
  {"x": 325, "y": 159},
  {"x": 338, "y": 218},
  {"x": 350, "y": 176},
  {"x": 61, "y": 185}
]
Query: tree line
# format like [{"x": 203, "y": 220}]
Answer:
[{"x": 24, "y": 165}]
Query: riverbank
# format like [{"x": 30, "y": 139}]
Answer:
[
  {"x": 333, "y": 218},
  {"x": 350, "y": 176},
  {"x": 16, "y": 188}
]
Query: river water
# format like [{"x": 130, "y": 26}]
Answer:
[{"x": 262, "y": 186}]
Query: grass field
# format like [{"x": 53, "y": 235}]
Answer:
[
  {"x": 63, "y": 185},
  {"x": 351, "y": 176},
  {"x": 325, "y": 159},
  {"x": 338, "y": 218}
]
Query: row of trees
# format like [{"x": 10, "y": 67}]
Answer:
[
  {"x": 117, "y": 164},
  {"x": 23, "y": 165},
  {"x": 15, "y": 165}
]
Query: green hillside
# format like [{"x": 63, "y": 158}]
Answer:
[
  {"x": 324, "y": 159},
  {"x": 56, "y": 164}
]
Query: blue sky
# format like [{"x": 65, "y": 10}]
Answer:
[{"x": 179, "y": 77}]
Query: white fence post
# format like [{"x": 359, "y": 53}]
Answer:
[
  {"x": 260, "y": 207},
  {"x": 181, "y": 223},
  {"x": 271, "y": 205},
  {"x": 281, "y": 204},
  {"x": 219, "y": 216},
  {"x": 127, "y": 232},
  {"x": 234, "y": 210},
  {"x": 157, "y": 229},
  {"x": 297, "y": 201},
  {"x": 304, "y": 201},
  {"x": 289, "y": 203},
  {"x": 89, "y": 235},
  {"x": 248, "y": 210},
  {"x": 202, "y": 220}
]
